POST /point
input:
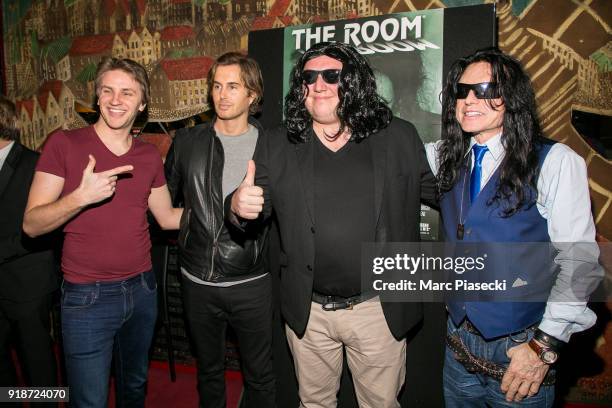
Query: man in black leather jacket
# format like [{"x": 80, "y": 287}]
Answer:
[{"x": 225, "y": 279}]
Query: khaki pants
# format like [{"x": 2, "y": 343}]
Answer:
[{"x": 376, "y": 359}]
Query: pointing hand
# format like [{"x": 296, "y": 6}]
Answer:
[{"x": 96, "y": 187}]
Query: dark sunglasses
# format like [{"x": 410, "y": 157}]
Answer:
[
  {"x": 330, "y": 76},
  {"x": 483, "y": 90}
]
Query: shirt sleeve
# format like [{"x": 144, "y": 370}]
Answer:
[
  {"x": 52, "y": 158},
  {"x": 431, "y": 151},
  {"x": 564, "y": 201},
  {"x": 159, "y": 178}
]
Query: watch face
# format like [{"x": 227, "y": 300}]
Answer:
[{"x": 549, "y": 356}]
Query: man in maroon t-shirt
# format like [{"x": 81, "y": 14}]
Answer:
[{"x": 97, "y": 182}]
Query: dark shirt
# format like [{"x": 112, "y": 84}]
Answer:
[{"x": 344, "y": 215}]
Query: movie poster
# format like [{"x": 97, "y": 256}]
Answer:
[{"x": 405, "y": 51}]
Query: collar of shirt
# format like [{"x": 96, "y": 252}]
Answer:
[
  {"x": 4, "y": 152},
  {"x": 492, "y": 159},
  {"x": 496, "y": 148}
]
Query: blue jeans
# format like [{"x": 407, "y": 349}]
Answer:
[
  {"x": 463, "y": 389},
  {"x": 102, "y": 321}
]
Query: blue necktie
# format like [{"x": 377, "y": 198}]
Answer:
[{"x": 479, "y": 152}]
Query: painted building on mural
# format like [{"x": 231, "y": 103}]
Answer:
[
  {"x": 217, "y": 37},
  {"x": 176, "y": 40},
  {"x": 58, "y": 40},
  {"x": 139, "y": 45},
  {"x": 46, "y": 111}
]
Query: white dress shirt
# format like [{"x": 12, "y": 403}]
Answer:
[
  {"x": 4, "y": 153},
  {"x": 564, "y": 201}
]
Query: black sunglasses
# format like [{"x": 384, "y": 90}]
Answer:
[
  {"x": 330, "y": 76},
  {"x": 483, "y": 90}
]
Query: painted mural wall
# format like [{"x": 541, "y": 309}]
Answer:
[{"x": 52, "y": 47}]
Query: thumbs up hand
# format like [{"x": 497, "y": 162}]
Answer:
[
  {"x": 96, "y": 187},
  {"x": 248, "y": 200},
  {"x": 249, "y": 179}
]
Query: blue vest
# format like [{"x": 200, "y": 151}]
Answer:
[{"x": 484, "y": 223}]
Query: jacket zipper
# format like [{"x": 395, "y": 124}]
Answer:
[{"x": 216, "y": 238}]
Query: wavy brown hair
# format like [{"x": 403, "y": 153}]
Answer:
[
  {"x": 128, "y": 66},
  {"x": 250, "y": 73}
]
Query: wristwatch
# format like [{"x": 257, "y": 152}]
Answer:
[
  {"x": 545, "y": 346},
  {"x": 545, "y": 353}
]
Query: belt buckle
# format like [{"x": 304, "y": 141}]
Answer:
[
  {"x": 332, "y": 306},
  {"x": 327, "y": 307}
]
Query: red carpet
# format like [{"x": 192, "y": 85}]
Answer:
[
  {"x": 163, "y": 393},
  {"x": 182, "y": 394}
]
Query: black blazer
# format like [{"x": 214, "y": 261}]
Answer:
[
  {"x": 402, "y": 178},
  {"x": 27, "y": 266}
]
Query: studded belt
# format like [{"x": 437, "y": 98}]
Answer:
[{"x": 478, "y": 365}]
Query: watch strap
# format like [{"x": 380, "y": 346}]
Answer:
[
  {"x": 542, "y": 351},
  {"x": 548, "y": 340}
]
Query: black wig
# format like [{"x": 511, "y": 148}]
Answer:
[
  {"x": 521, "y": 134},
  {"x": 361, "y": 110}
]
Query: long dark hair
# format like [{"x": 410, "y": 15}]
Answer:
[
  {"x": 521, "y": 134},
  {"x": 361, "y": 110}
]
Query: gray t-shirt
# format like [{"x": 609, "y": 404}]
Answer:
[{"x": 238, "y": 151}]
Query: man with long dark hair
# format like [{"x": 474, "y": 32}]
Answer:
[
  {"x": 225, "y": 277},
  {"x": 501, "y": 181},
  {"x": 341, "y": 172}
]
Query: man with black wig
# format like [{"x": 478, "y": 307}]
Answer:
[
  {"x": 503, "y": 182},
  {"x": 342, "y": 171}
]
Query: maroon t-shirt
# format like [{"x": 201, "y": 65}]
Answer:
[{"x": 108, "y": 241}]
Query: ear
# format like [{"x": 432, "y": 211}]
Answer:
[
  {"x": 142, "y": 107},
  {"x": 496, "y": 106}
]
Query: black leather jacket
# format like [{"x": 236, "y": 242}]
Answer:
[{"x": 211, "y": 248}]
